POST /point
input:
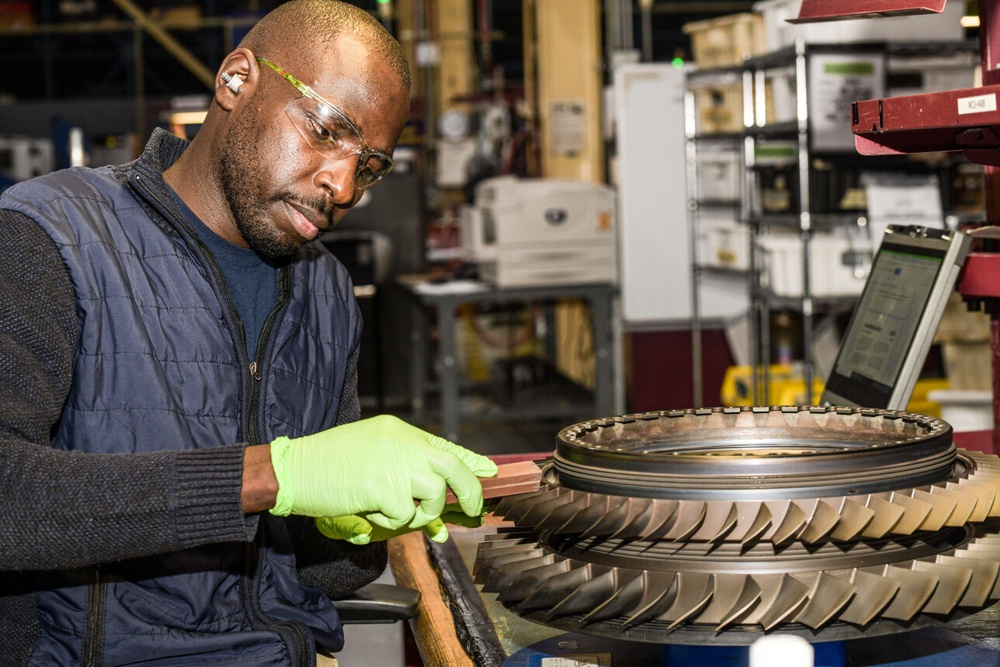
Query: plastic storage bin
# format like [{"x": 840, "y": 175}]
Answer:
[
  {"x": 725, "y": 242},
  {"x": 965, "y": 410},
  {"x": 835, "y": 269},
  {"x": 720, "y": 174}
]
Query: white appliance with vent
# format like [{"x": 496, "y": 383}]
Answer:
[{"x": 537, "y": 231}]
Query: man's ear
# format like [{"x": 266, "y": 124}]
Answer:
[{"x": 237, "y": 77}]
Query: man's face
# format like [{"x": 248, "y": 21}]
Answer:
[{"x": 281, "y": 192}]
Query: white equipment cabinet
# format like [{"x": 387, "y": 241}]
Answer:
[{"x": 655, "y": 241}]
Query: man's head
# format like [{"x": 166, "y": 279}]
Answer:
[{"x": 323, "y": 99}]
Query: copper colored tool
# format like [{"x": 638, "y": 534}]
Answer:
[{"x": 511, "y": 479}]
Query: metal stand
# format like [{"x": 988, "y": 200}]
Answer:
[
  {"x": 966, "y": 120},
  {"x": 600, "y": 297}
]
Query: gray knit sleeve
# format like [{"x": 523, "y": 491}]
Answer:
[
  {"x": 68, "y": 509},
  {"x": 350, "y": 404},
  {"x": 336, "y": 567}
]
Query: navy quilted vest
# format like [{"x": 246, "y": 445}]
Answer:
[{"x": 161, "y": 365}]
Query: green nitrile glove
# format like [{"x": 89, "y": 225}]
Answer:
[
  {"x": 358, "y": 530},
  {"x": 376, "y": 468}
]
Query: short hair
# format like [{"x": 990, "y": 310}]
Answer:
[{"x": 321, "y": 22}]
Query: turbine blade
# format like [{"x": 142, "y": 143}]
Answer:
[
  {"x": 828, "y": 596},
  {"x": 984, "y": 578},
  {"x": 822, "y": 520},
  {"x": 694, "y": 590},
  {"x": 990, "y": 556},
  {"x": 753, "y": 518},
  {"x": 493, "y": 566},
  {"x": 587, "y": 515},
  {"x": 720, "y": 518},
  {"x": 941, "y": 509},
  {"x": 790, "y": 519},
  {"x": 517, "y": 506},
  {"x": 915, "y": 589},
  {"x": 781, "y": 597},
  {"x": 690, "y": 514},
  {"x": 985, "y": 497},
  {"x": 854, "y": 518},
  {"x": 965, "y": 503},
  {"x": 658, "y": 594},
  {"x": 953, "y": 582},
  {"x": 615, "y": 517},
  {"x": 629, "y": 591},
  {"x": 886, "y": 516},
  {"x": 662, "y": 519},
  {"x": 559, "y": 515},
  {"x": 734, "y": 594},
  {"x": 542, "y": 508},
  {"x": 594, "y": 591},
  {"x": 527, "y": 581},
  {"x": 915, "y": 513},
  {"x": 873, "y": 594},
  {"x": 639, "y": 516}
]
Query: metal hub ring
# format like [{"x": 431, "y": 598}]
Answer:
[{"x": 774, "y": 452}]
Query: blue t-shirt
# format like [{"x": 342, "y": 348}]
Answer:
[{"x": 252, "y": 282}]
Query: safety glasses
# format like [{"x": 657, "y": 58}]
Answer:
[{"x": 331, "y": 133}]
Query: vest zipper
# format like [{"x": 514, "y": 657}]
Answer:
[
  {"x": 301, "y": 651},
  {"x": 292, "y": 634},
  {"x": 93, "y": 637},
  {"x": 256, "y": 371}
]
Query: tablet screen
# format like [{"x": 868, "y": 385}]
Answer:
[{"x": 887, "y": 339}]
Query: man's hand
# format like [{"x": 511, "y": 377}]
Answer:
[
  {"x": 358, "y": 530},
  {"x": 376, "y": 468}
]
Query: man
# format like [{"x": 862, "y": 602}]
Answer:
[{"x": 178, "y": 405}]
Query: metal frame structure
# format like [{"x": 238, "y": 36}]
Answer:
[
  {"x": 752, "y": 76},
  {"x": 966, "y": 120}
]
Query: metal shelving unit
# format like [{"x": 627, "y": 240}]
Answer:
[
  {"x": 697, "y": 205},
  {"x": 804, "y": 217}
]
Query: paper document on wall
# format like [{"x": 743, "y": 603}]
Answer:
[{"x": 901, "y": 199}]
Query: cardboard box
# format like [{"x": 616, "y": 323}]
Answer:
[
  {"x": 958, "y": 323},
  {"x": 719, "y": 108},
  {"x": 726, "y": 41},
  {"x": 968, "y": 364}
]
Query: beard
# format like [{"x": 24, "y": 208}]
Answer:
[{"x": 240, "y": 174}]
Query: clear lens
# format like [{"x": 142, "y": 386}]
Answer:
[
  {"x": 331, "y": 134},
  {"x": 372, "y": 168},
  {"x": 324, "y": 128}
]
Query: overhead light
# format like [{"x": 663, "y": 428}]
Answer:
[
  {"x": 187, "y": 117},
  {"x": 970, "y": 21}
]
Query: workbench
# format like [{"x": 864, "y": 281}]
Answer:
[{"x": 441, "y": 301}]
